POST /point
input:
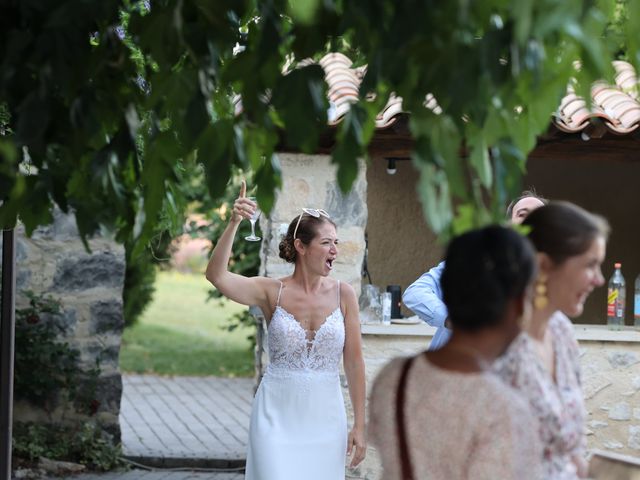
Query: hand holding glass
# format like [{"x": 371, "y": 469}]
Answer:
[{"x": 254, "y": 218}]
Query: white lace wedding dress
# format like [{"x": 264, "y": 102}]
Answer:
[{"x": 298, "y": 425}]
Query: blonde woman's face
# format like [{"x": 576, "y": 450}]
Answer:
[{"x": 322, "y": 251}]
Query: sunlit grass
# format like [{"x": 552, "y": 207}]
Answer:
[{"x": 181, "y": 333}]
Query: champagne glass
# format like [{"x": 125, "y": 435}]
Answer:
[{"x": 254, "y": 218}]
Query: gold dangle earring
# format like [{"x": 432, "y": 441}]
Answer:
[{"x": 540, "y": 300}]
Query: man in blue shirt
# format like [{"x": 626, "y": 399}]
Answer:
[{"x": 424, "y": 296}]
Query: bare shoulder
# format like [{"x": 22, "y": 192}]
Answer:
[
  {"x": 270, "y": 287},
  {"x": 348, "y": 299},
  {"x": 347, "y": 291},
  {"x": 267, "y": 283}
]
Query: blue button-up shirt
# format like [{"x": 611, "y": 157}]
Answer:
[{"x": 424, "y": 298}]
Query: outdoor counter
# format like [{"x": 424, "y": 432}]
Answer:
[{"x": 598, "y": 333}]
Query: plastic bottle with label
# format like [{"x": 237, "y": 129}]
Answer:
[{"x": 616, "y": 299}]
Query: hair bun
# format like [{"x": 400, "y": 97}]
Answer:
[{"x": 287, "y": 250}]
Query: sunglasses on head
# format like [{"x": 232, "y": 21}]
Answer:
[{"x": 314, "y": 212}]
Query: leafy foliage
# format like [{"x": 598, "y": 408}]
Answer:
[
  {"x": 39, "y": 349},
  {"x": 107, "y": 117},
  {"x": 85, "y": 444},
  {"x": 140, "y": 273},
  {"x": 138, "y": 289}
]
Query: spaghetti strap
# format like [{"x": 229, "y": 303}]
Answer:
[
  {"x": 279, "y": 293},
  {"x": 338, "y": 293}
]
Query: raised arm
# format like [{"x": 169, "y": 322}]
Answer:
[
  {"x": 241, "y": 289},
  {"x": 354, "y": 370},
  {"x": 424, "y": 297}
]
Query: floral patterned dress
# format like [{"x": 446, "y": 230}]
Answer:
[{"x": 559, "y": 404}]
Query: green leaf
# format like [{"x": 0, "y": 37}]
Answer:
[
  {"x": 353, "y": 135},
  {"x": 301, "y": 102},
  {"x": 160, "y": 157},
  {"x": 10, "y": 208},
  {"x": 433, "y": 189},
  {"x": 268, "y": 177},
  {"x": 8, "y": 166},
  {"x": 196, "y": 117},
  {"x": 36, "y": 199},
  {"x": 480, "y": 158},
  {"x": 522, "y": 13},
  {"x": 345, "y": 155},
  {"x": 303, "y": 11},
  {"x": 215, "y": 151},
  {"x": 446, "y": 143},
  {"x": 631, "y": 28},
  {"x": 465, "y": 219}
]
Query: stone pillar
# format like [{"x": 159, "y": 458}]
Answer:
[{"x": 89, "y": 286}]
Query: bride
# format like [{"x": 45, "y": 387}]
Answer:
[{"x": 298, "y": 423}]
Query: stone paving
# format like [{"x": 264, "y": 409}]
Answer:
[
  {"x": 174, "y": 424},
  {"x": 185, "y": 422}
]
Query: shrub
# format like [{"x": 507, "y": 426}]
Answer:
[
  {"x": 86, "y": 444},
  {"x": 139, "y": 279},
  {"x": 39, "y": 348}
]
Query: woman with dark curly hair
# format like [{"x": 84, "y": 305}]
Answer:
[{"x": 298, "y": 422}]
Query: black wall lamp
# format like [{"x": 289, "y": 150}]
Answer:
[{"x": 391, "y": 164}]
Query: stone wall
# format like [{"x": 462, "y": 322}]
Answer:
[
  {"x": 611, "y": 380},
  {"x": 310, "y": 181},
  {"x": 401, "y": 247},
  {"x": 89, "y": 286}
]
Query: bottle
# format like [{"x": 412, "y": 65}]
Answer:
[
  {"x": 386, "y": 307},
  {"x": 636, "y": 303},
  {"x": 616, "y": 299},
  {"x": 396, "y": 300}
]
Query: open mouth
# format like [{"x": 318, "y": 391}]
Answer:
[
  {"x": 329, "y": 263},
  {"x": 586, "y": 293},
  {"x": 582, "y": 297}
]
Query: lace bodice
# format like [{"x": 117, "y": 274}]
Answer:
[{"x": 291, "y": 349}]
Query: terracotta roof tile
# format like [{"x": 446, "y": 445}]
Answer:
[
  {"x": 616, "y": 106},
  {"x": 343, "y": 81}
]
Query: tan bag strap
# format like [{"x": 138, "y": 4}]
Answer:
[{"x": 405, "y": 459}]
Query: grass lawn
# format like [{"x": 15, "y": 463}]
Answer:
[{"x": 182, "y": 334}]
